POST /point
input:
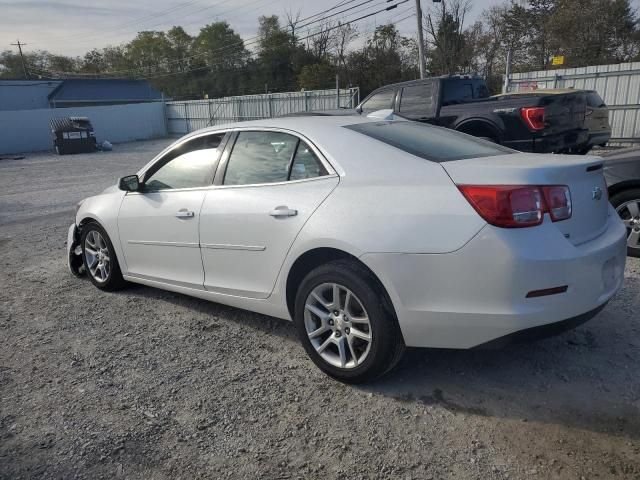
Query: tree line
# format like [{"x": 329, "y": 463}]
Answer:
[{"x": 289, "y": 54}]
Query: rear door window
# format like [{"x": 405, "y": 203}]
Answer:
[
  {"x": 306, "y": 164},
  {"x": 416, "y": 101},
  {"x": 457, "y": 90},
  {"x": 260, "y": 157}
]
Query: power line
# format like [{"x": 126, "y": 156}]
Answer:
[
  {"x": 143, "y": 18},
  {"x": 242, "y": 43},
  {"x": 253, "y": 40},
  {"x": 300, "y": 39},
  {"x": 125, "y": 29}
]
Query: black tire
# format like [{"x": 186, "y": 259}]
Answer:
[
  {"x": 387, "y": 344},
  {"x": 114, "y": 280},
  {"x": 621, "y": 198}
]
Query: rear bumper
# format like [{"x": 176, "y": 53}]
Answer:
[
  {"x": 599, "y": 138},
  {"x": 479, "y": 293},
  {"x": 543, "y": 331},
  {"x": 550, "y": 143}
]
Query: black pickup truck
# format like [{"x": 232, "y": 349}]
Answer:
[{"x": 536, "y": 123}]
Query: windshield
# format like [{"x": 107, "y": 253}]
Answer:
[{"x": 431, "y": 143}]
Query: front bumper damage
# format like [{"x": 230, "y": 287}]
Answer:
[{"x": 74, "y": 252}]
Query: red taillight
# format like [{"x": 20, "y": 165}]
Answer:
[
  {"x": 517, "y": 206},
  {"x": 533, "y": 117},
  {"x": 558, "y": 201}
]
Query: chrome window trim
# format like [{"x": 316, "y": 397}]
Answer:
[{"x": 249, "y": 185}]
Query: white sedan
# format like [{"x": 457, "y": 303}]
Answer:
[{"x": 371, "y": 235}]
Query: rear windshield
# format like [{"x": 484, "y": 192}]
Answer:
[
  {"x": 594, "y": 100},
  {"x": 431, "y": 143}
]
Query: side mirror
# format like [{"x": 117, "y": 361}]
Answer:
[
  {"x": 130, "y": 183},
  {"x": 359, "y": 110}
]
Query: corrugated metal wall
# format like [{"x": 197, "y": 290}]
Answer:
[
  {"x": 29, "y": 130},
  {"x": 617, "y": 84},
  {"x": 187, "y": 116}
]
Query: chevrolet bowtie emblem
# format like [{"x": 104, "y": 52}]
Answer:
[{"x": 596, "y": 193}]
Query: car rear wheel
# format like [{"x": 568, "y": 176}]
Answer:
[
  {"x": 627, "y": 204},
  {"x": 99, "y": 258},
  {"x": 346, "y": 323}
]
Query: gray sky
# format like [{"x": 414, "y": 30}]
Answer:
[{"x": 73, "y": 27}]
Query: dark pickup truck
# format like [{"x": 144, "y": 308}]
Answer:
[{"x": 536, "y": 123}]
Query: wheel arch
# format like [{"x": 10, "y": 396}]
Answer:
[
  {"x": 480, "y": 128},
  {"x": 89, "y": 217},
  {"x": 622, "y": 186},
  {"x": 318, "y": 256}
]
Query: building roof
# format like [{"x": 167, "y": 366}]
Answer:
[
  {"x": 26, "y": 94},
  {"x": 103, "y": 91}
]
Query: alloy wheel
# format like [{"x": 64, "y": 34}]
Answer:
[
  {"x": 337, "y": 325},
  {"x": 96, "y": 253},
  {"x": 630, "y": 214}
]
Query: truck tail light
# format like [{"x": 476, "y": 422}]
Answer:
[
  {"x": 518, "y": 206},
  {"x": 533, "y": 117}
]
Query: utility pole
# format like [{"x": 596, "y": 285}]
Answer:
[
  {"x": 24, "y": 65},
  {"x": 423, "y": 67},
  {"x": 507, "y": 71},
  {"x": 337, "y": 91}
]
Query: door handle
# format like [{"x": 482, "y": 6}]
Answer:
[
  {"x": 184, "y": 213},
  {"x": 283, "y": 211}
]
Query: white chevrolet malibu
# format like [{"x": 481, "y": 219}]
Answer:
[{"x": 371, "y": 235}]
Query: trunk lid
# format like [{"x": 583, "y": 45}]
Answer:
[
  {"x": 583, "y": 175},
  {"x": 563, "y": 112}
]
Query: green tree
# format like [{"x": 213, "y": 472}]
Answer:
[
  {"x": 149, "y": 52},
  {"x": 317, "y": 76}
]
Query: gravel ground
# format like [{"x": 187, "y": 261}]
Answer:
[{"x": 150, "y": 384}]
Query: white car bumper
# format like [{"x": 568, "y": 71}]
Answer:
[{"x": 478, "y": 294}]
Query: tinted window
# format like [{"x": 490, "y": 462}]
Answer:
[
  {"x": 431, "y": 143},
  {"x": 306, "y": 164},
  {"x": 189, "y": 165},
  {"x": 260, "y": 157},
  {"x": 594, "y": 100},
  {"x": 463, "y": 90},
  {"x": 415, "y": 101},
  {"x": 378, "y": 101}
]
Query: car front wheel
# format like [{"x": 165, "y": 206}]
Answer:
[
  {"x": 346, "y": 323},
  {"x": 99, "y": 258},
  {"x": 627, "y": 204}
]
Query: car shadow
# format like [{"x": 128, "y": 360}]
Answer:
[{"x": 585, "y": 378}]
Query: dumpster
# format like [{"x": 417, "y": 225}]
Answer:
[{"x": 73, "y": 135}]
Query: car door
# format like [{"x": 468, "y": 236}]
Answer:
[
  {"x": 158, "y": 225},
  {"x": 270, "y": 182}
]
